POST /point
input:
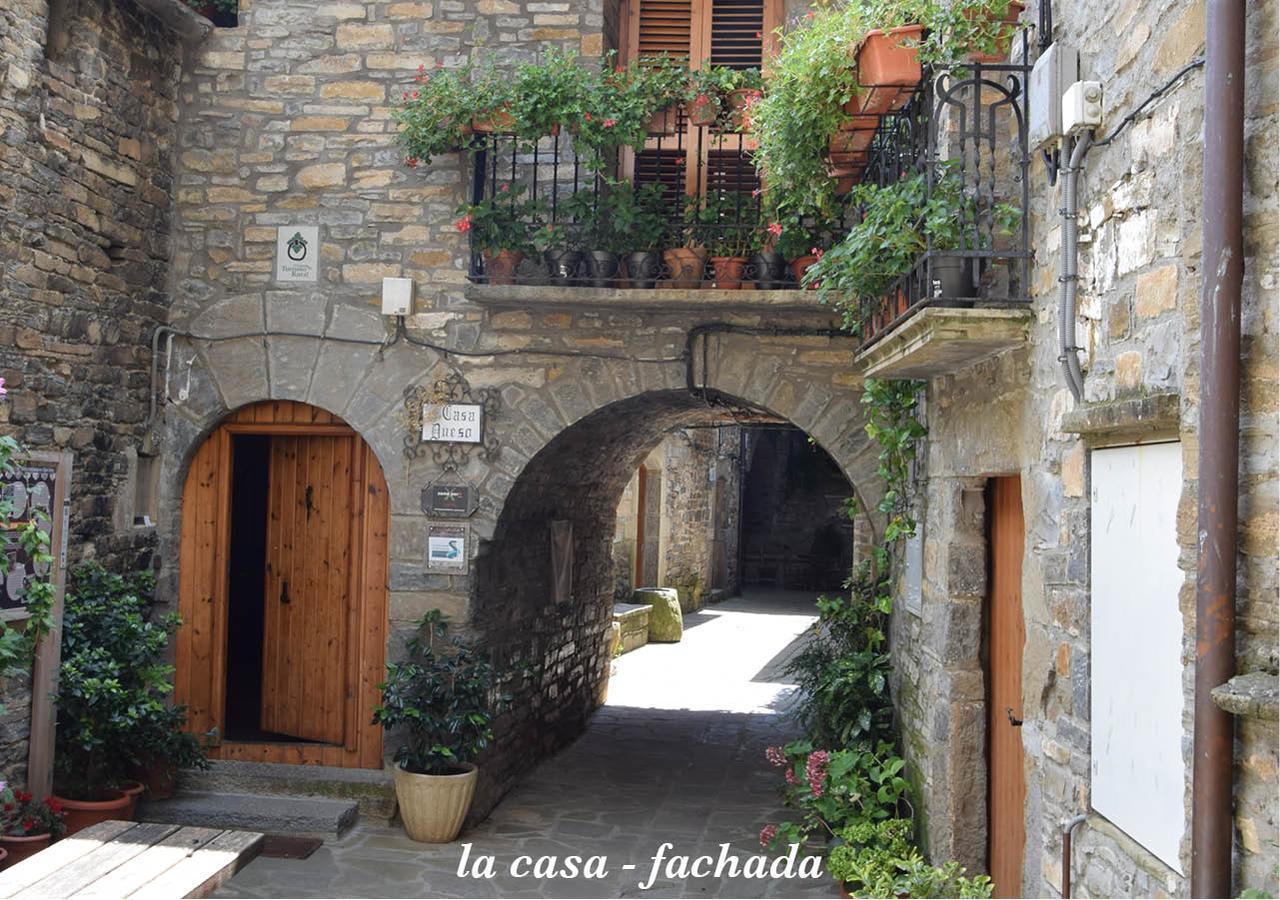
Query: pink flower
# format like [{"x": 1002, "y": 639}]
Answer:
[
  {"x": 504, "y": 187},
  {"x": 587, "y": 116},
  {"x": 767, "y": 834},
  {"x": 2, "y": 390},
  {"x": 791, "y": 777},
  {"x": 759, "y": 35},
  {"x": 815, "y": 771},
  {"x": 609, "y": 123},
  {"x": 775, "y": 756},
  {"x": 775, "y": 228},
  {"x": 756, "y": 192},
  {"x": 464, "y": 224}
]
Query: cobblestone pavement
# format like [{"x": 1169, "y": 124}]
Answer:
[{"x": 675, "y": 756}]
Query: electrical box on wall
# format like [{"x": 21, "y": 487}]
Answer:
[
  {"x": 1082, "y": 106},
  {"x": 1056, "y": 68},
  {"x": 397, "y": 296}
]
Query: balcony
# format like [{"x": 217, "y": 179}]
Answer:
[{"x": 964, "y": 299}]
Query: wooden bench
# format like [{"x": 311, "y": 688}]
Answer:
[{"x": 132, "y": 859}]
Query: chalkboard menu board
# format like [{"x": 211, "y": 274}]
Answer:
[{"x": 33, "y": 492}]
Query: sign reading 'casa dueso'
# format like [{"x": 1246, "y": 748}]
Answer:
[
  {"x": 297, "y": 253},
  {"x": 456, "y": 423}
]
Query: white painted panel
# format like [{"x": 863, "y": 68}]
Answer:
[{"x": 1136, "y": 634}]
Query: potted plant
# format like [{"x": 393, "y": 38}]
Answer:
[
  {"x": 727, "y": 236},
  {"x": 767, "y": 265},
  {"x": 112, "y": 691},
  {"x": 617, "y": 107},
  {"x": 640, "y": 219},
  {"x": 709, "y": 88},
  {"x": 499, "y": 228},
  {"x": 560, "y": 257},
  {"x": 747, "y": 88},
  {"x": 686, "y": 264},
  {"x": 435, "y": 116},
  {"x": 27, "y": 825},
  {"x": 666, "y": 84},
  {"x": 547, "y": 94},
  {"x": 492, "y": 100},
  {"x": 441, "y": 699}
]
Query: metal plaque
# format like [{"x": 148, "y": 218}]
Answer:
[
  {"x": 450, "y": 500},
  {"x": 447, "y": 548}
]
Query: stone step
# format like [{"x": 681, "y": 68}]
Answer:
[
  {"x": 271, "y": 814},
  {"x": 373, "y": 790}
]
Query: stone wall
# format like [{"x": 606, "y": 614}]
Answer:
[
  {"x": 87, "y": 118},
  {"x": 1139, "y": 327}
]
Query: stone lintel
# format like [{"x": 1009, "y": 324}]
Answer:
[
  {"x": 799, "y": 307},
  {"x": 179, "y": 18},
  {"x": 1254, "y": 695},
  {"x": 1129, "y": 419},
  {"x": 942, "y": 340}
]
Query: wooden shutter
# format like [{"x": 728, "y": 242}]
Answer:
[
  {"x": 662, "y": 28},
  {"x": 737, "y": 33}
]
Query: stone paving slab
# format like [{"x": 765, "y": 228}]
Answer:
[{"x": 676, "y": 756}]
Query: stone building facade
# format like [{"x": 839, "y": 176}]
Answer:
[{"x": 167, "y": 212}]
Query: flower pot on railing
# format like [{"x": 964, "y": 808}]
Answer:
[
  {"x": 602, "y": 268},
  {"x": 889, "y": 68},
  {"x": 500, "y": 267},
  {"x": 703, "y": 110},
  {"x": 947, "y": 278},
  {"x": 799, "y": 267},
  {"x": 563, "y": 265},
  {"x": 770, "y": 270},
  {"x": 499, "y": 121},
  {"x": 728, "y": 271},
  {"x": 665, "y": 120},
  {"x": 686, "y": 266},
  {"x": 1008, "y": 28},
  {"x": 643, "y": 269}
]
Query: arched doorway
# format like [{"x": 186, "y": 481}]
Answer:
[
  {"x": 561, "y": 513},
  {"x": 283, "y": 588}
]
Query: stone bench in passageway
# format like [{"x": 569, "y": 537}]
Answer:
[
  {"x": 632, "y": 620},
  {"x": 665, "y": 623}
]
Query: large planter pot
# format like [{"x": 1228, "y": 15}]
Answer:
[
  {"x": 16, "y": 848},
  {"x": 1009, "y": 27},
  {"x": 133, "y": 790},
  {"x": 433, "y": 807},
  {"x": 686, "y": 266},
  {"x": 643, "y": 269},
  {"x": 83, "y": 813},
  {"x": 500, "y": 267},
  {"x": 602, "y": 268},
  {"x": 563, "y": 265},
  {"x": 890, "y": 57},
  {"x": 665, "y": 120},
  {"x": 728, "y": 271},
  {"x": 770, "y": 270},
  {"x": 798, "y": 267}
]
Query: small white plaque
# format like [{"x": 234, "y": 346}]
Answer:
[
  {"x": 297, "y": 253},
  {"x": 447, "y": 548},
  {"x": 454, "y": 423}
]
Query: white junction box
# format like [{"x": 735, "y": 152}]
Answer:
[
  {"x": 1082, "y": 106},
  {"x": 1056, "y": 68},
  {"x": 397, "y": 296}
]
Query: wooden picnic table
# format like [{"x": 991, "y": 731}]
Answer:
[{"x": 133, "y": 859}]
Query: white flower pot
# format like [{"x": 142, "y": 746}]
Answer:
[{"x": 433, "y": 807}]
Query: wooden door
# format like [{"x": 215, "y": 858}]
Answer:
[
  {"x": 1005, "y": 637},
  {"x": 323, "y": 649},
  {"x": 308, "y": 582}
]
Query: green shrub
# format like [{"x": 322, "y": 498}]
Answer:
[{"x": 877, "y": 859}]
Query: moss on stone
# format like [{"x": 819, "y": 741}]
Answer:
[{"x": 665, "y": 623}]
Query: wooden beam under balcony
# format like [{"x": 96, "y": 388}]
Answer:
[{"x": 943, "y": 340}]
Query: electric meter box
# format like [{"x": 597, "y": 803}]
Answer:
[
  {"x": 397, "y": 296},
  {"x": 1053, "y": 72}
]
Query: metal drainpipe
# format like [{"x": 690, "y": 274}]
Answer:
[
  {"x": 1222, "y": 266},
  {"x": 1068, "y": 826}
]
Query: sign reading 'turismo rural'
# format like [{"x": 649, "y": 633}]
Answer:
[{"x": 458, "y": 423}]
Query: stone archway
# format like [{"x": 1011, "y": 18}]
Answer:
[{"x": 572, "y": 485}]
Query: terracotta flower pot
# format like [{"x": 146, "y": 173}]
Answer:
[
  {"x": 1009, "y": 28},
  {"x": 686, "y": 266},
  {"x": 133, "y": 790},
  {"x": 798, "y": 267},
  {"x": 83, "y": 813},
  {"x": 434, "y": 807},
  {"x": 703, "y": 110},
  {"x": 665, "y": 120},
  {"x": 890, "y": 57},
  {"x": 500, "y": 267},
  {"x": 499, "y": 120},
  {"x": 740, "y": 98},
  {"x": 728, "y": 271},
  {"x": 16, "y": 848}
]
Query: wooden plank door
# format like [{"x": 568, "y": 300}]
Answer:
[
  {"x": 1005, "y": 637},
  {"x": 308, "y": 581}
]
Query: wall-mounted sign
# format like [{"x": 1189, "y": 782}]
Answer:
[
  {"x": 32, "y": 494},
  {"x": 447, "y": 548},
  {"x": 297, "y": 253},
  {"x": 455, "y": 423},
  {"x": 450, "y": 500}
]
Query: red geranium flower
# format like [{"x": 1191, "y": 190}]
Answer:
[
  {"x": 464, "y": 224},
  {"x": 411, "y": 162},
  {"x": 609, "y": 123}
]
